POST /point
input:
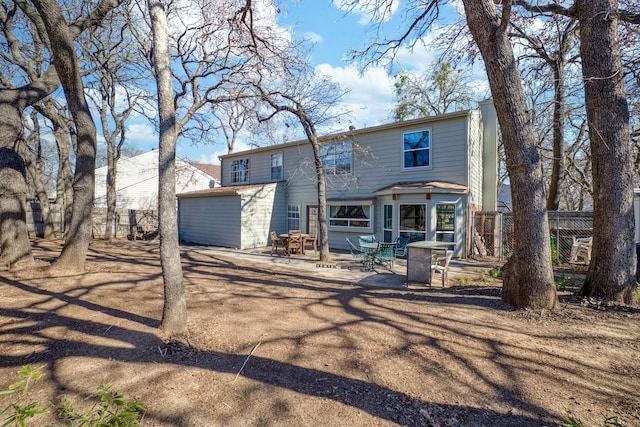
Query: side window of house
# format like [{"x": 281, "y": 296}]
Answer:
[
  {"x": 417, "y": 149},
  {"x": 446, "y": 223},
  {"x": 388, "y": 223},
  {"x": 350, "y": 216},
  {"x": 276, "y": 167},
  {"x": 240, "y": 170},
  {"x": 336, "y": 157},
  {"x": 293, "y": 217},
  {"x": 413, "y": 222}
]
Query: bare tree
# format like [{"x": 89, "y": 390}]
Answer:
[
  {"x": 61, "y": 37},
  {"x": 311, "y": 99},
  {"x": 612, "y": 271},
  {"x": 442, "y": 90},
  {"x": 116, "y": 94},
  {"x": 553, "y": 45},
  {"x": 174, "y": 312}
]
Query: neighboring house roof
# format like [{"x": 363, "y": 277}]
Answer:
[
  {"x": 421, "y": 187},
  {"x": 232, "y": 190},
  {"x": 137, "y": 181},
  {"x": 211, "y": 170}
]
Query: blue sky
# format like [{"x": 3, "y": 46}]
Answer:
[{"x": 370, "y": 93}]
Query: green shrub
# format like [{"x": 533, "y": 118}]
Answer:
[
  {"x": 562, "y": 282},
  {"x": 496, "y": 272},
  {"x": 21, "y": 409},
  {"x": 112, "y": 410}
]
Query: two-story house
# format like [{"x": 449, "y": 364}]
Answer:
[{"x": 419, "y": 178}]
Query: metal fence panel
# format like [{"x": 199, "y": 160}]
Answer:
[{"x": 494, "y": 233}]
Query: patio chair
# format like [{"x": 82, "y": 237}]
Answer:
[
  {"x": 312, "y": 242},
  {"x": 293, "y": 245},
  {"x": 581, "y": 251},
  {"x": 367, "y": 238},
  {"x": 275, "y": 240},
  {"x": 401, "y": 249},
  {"x": 386, "y": 254},
  {"x": 441, "y": 265},
  {"x": 356, "y": 253}
]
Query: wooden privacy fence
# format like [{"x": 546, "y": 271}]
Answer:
[{"x": 494, "y": 234}]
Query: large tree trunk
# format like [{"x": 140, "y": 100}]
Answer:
[
  {"x": 174, "y": 313},
  {"x": 612, "y": 270},
  {"x": 111, "y": 192},
  {"x": 323, "y": 228},
  {"x": 62, "y": 45},
  {"x": 14, "y": 236},
  {"x": 528, "y": 275},
  {"x": 558, "y": 162}
]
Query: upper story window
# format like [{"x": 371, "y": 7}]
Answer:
[
  {"x": 417, "y": 149},
  {"x": 240, "y": 170},
  {"x": 336, "y": 157},
  {"x": 276, "y": 167}
]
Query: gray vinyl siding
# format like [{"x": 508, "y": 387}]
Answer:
[
  {"x": 210, "y": 220},
  {"x": 475, "y": 161},
  {"x": 262, "y": 211}
]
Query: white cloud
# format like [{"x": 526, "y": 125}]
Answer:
[
  {"x": 370, "y": 95},
  {"x": 314, "y": 38},
  {"x": 142, "y": 134}
]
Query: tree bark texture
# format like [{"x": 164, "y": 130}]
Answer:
[
  {"x": 68, "y": 68},
  {"x": 323, "y": 225},
  {"x": 612, "y": 271},
  {"x": 14, "y": 236},
  {"x": 528, "y": 275},
  {"x": 174, "y": 313}
]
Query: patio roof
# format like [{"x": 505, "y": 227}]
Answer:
[{"x": 421, "y": 187}]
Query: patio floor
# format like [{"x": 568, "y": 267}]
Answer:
[{"x": 344, "y": 267}]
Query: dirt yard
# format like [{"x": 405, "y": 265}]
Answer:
[{"x": 281, "y": 346}]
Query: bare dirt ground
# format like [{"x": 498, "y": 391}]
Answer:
[{"x": 275, "y": 345}]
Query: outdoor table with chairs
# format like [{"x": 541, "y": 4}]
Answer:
[
  {"x": 293, "y": 242},
  {"x": 370, "y": 252}
]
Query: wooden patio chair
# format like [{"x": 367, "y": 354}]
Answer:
[
  {"x": 294, "y": 243},
  {"x": 275, "y": 241},
  {"x": 312, "y": 242}
]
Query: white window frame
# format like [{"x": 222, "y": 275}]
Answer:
[
  {"x": 411, "y": 233},
  {"x": 429, "y": 149},
  {"x": 442, "y": 235},
  {"x": 337, "y": 157},
  {"x": 347, "y": 223},
  {"x": 293, "y": 217},
  {"x": 277, "y": 170},
  {"x": 240, "y": 170}
]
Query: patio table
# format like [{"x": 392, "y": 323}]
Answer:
[
  {"x": 285, "y": 236},
  {"x": 419, "y": 259}
]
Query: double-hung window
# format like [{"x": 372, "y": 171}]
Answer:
[
  {"x": 336, "y": 157},
  {"x": 240, "y": 170},
  {"x": 276, "y": 167},
  {"x": 350, "y": 215},
  {"x": 416, "y": 149},
  {"x": 293, "y": 217}
]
